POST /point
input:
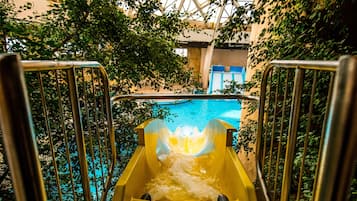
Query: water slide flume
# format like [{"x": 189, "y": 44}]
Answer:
[
  {"x": 196, "y": 166},
  {"x": 221, "y": 79}
]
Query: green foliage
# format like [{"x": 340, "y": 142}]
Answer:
[
  {"x": 54, "y": 130},
  {"x": 239, "y": 22},
  {"x": 294, "y": 29},
  {"x": 302, "y": 30},
  {"x": 132, "y": 48}
]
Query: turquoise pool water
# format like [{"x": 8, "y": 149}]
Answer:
[{"x": 197, "y": 113}]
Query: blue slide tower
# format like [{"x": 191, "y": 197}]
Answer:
[{"x": 219, "y": 79}]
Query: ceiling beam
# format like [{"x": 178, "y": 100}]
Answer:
[
  {"x": 235, "y": 3},
  {"x": 219, "y": 16},
  {"x": 199, "y": 8},
  {"x": 202, "y": 6},
  {"x": 181, "y": 5}
]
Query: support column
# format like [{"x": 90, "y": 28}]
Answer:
[
  {"x": 206, "y": 65},
  {"x": 194, "y": 62},
  {"x": 210, "y": 48}
]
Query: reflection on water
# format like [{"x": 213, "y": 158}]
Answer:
[{"x": 182, "y": 178}]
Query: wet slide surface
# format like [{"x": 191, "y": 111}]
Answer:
[{"x": 177, "y": 166}]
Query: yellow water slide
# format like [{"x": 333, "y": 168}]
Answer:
[{"x": 182, "y": 167}]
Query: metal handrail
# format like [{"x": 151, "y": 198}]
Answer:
[
  {"x": 300, "y": 67},
  {"x": 334, "y": 178},
  {"x": 69, "y": 67},
  {"x": 39, "y": 65},
  {"x": 184, "y": 96},
  {"x": 340, "y": 131},
  {"x": 18, "y": 132},
  {"x": 307, "y": 64}
]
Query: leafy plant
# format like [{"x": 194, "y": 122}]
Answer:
[
  {"x": 302, "y": 30},
  {"x": 131, "y": 47}
]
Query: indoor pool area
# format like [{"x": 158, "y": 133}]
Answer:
[{"x": 178, "y": 100}]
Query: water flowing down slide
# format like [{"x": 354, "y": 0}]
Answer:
[
  {"x": 184, "y": 166},
  {"x": 220, "y": 80},
  {"x": 216, "y": 82}
]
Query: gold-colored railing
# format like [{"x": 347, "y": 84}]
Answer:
[
  {"x": 67, "y": 149},
  {"x": 338, "y": 158},
  {"x": 69, "y": 106},
  {"x": 71, "y": 131},
  {"x": 183, "y": 96},
  {"x": 295, "y": 127}
]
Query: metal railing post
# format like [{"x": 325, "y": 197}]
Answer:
[
  {"x": 18, "y": 133},
  {"x": 293, "y": 127},
  {"x": 110, "y": 129},
  {"x": 77, "y": 121},
  {"x": 338, "y": 152},
  {"x": 259, "y": 156}
]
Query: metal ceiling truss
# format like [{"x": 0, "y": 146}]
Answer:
[{"x": 204, "y": 10}]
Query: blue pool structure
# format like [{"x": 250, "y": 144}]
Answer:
[
  {"x": 219, "y": 79},
  {"x": 197, "y": 113}
]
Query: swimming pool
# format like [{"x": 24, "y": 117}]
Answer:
[{"x": 197, "y": 113}]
